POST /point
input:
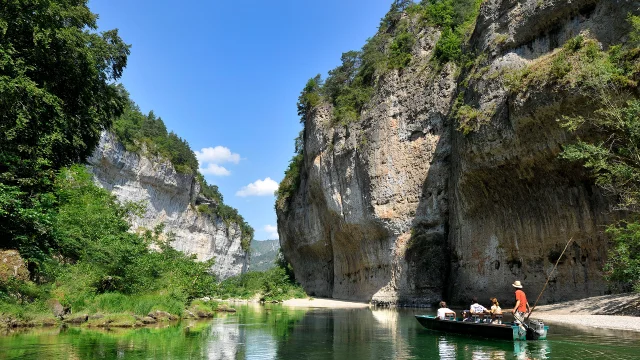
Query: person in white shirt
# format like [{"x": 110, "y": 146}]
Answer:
[
  {"x": 444, "y": 310},
  {"x": 477, "y": 308},
  {"x": 474, "y": 309}
]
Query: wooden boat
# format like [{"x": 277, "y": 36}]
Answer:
[{"x": 505, "y": 331}]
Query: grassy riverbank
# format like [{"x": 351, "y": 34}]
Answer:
[{"x": 115, "y": 309}]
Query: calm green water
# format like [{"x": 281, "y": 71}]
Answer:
[{"x": 273, "y": 332}]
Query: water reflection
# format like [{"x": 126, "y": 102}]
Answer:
[
  {"x": 273, "y": 332},
  {"x": 388, "y": 320},
  {"x": 531, "y": 350},
  {"x": 446, "y": 349},
  {"x": 224, "y": 339}
]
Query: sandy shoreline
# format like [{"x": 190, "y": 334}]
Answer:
[{"x": 324, "y": 303}]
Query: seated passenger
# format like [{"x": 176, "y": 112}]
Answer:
[
  {"x": 444, "y": 311},
  {"x": 477, "y": 309},
  {"x": 495, "y": 310},
  {"x": 474, "y": 309}
]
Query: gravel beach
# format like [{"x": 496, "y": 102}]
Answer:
[{"x": 618, "y": 312}]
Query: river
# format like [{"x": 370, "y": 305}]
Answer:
[{"x": 275, "y": 332}]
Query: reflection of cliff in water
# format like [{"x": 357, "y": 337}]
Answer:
[
  {"x": 225, "y": 336},
  {"x": 388, "y": 320},
  {"x": 251, "y": 333}
]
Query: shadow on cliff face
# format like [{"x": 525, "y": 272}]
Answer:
[
  {"x": 516, "y": 204},
  {"x": 427, "y": 252}
]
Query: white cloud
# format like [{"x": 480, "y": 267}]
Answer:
[
  {"x": 210, "y": 159},
  {"x": 259, "y": 187},
  {"x": 272, "y": 231},
  {"x": 213, "y": 169},
  {"x": 217, "y": 155}
]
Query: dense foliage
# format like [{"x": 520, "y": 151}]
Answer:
[
  {"x": 56, "y": 95},
  {"x": 273, "y": 284},
  {"x": 96, "y": 254},
  {"x": 456, "y": 18}
]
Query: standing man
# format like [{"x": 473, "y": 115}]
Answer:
[{"x": 522, "y": 305}]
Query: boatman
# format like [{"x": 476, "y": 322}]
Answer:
[{"x": 522, "y": 305}]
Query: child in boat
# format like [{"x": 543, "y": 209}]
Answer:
[
  {"x": 443, "y": 311},
  {"x": 495, "y": 310}
]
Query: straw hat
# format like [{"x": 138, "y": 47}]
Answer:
[{"x": 517, "y": 284}]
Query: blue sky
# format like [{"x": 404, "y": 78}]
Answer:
[{"x": 226, "y": 76}]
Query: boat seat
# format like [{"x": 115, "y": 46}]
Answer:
[
  {"x": 475, "y": 318},
  {"x": 497, "y": 318},
  {"x": 450, "y": 316},
  {"x": 486, "y": 318}
]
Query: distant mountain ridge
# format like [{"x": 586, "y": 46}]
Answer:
[{"x": 263, "y": 254}]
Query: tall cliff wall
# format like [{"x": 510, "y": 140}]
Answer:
[
  {"x": 402, "y": 207},
  {"x": 170, "y": 198}
]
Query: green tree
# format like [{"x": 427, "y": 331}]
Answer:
[{"x": 56, "y": 95}]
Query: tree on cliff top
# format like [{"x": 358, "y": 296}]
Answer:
[{"x": 56, "y": 95}]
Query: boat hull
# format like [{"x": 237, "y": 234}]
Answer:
[{"x": 506, "y": 331}]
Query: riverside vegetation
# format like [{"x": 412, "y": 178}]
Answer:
[
  {"x": 57, "y": 93},
  {"x": 605, "y": 142}
]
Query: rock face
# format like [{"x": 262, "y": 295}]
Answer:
[
  {"x": 170, "y": 198},
  {"x": 12, "y": 266},
  {"x": 403, "y": 208}
]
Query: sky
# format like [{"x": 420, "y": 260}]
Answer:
[{"x": 226, "y": 76}]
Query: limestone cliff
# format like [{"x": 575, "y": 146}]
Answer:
[
  {"x": 403, "y": 207},
  {"x": 170, "y": 198}
]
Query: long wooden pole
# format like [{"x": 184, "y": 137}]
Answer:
[{"x": 548, "y": 278}]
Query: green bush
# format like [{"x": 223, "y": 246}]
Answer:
[
  {"x": 289, "y": 185},
  {"x": 400, "y": 50},
  {"x": 560, "y": 66},
  {"x": 449, "y": 46},
  {"x": 456, "y": 18},
  {"x": 623, "y": 266},
  {"x": 136, "y": 304},
  {"x": 574, "y": 44}
]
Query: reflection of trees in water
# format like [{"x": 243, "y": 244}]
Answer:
[{"x": 77, "y": 343}]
